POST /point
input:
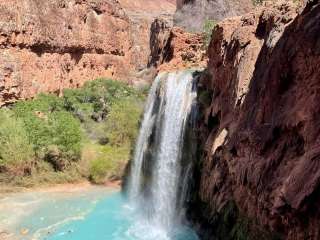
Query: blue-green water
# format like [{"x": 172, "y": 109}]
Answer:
[
  {"x": 112, "y": 219},
  {"x": 94, "y": 215}
]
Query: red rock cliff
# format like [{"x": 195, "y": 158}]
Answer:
[
  {"x": 172, "y": 48},
  {"x": 50, "y": 45},
  {"x": 191, "y": 14},
  {"x": 260, "y": 127}
]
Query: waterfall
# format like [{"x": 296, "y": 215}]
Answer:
[
  {"x": 142, "y": 142},
  {"x": 160, "y": 175}
]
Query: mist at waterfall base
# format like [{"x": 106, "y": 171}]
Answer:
[
  {"x": 162, "y": 164},
  {"x": 154, "y": 206},
  {"x": 111, "y": 219}
]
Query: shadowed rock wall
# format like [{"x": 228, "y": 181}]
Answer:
[{"x": 259, "y": 130}]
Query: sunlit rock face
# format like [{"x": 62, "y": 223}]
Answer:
[
  {"x": 260, "y": 126},
  {"x": 47, "y": 46},
  {"x": 191, "y": 14},
  {"x": 173, "y": 48}
]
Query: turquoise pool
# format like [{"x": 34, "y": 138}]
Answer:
[{"x": 92, "y": 215}]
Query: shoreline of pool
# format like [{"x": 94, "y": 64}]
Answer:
[
  {"x": 17, "y": 206},
  {"x": 4, "y": 190}
]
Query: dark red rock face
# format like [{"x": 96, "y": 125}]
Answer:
[{"x": 261, "y": 133}]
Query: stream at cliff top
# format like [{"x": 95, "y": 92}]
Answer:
[{"x": 157, "y": 191}]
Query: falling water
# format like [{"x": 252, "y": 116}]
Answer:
[
  {"x": 158, "y": 188},
  {"x": 142, "y": 143},
  {"x": 163, "y": 129}
]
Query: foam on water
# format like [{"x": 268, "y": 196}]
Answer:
[
  {"x": 160, "y": 200},
  {"x": 111, "y": 219}
]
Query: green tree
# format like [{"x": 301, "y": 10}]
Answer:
[
  {"x": 16, "y": 152},
  {"x": 47, "y": 123},
  {"x": 123, "y": 122},
  {"x": 66, "y": 133}
]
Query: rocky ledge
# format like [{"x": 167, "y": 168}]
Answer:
[{"x": 172, "y": 48}]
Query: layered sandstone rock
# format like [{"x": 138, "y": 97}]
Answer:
[
  {"x": 191, "y": 14},
  {"x": 142, "y": 13},
  {"x": 260, "y": 127},
  {"x": 172, "y": 48},
  {"x": 50, "y": 45}
]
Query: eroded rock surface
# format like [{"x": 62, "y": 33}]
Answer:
[
  {"x": 50, "y": 45},
  {"x": 260, "y": 126},
  {"x": 172, "y": 48},
  {"x": 191, "y": 14}
]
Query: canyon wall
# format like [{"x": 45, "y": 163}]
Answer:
[
  {"x": 47, "y": 46},
  {"x": 259, "y": 130},
  {"x": 172, "y": 48},
  {"x": 192, "y": 14}
]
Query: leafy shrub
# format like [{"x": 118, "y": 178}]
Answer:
[
  {"x": 208, "y": 27},
  {"x": 123, "y": 122},
  {"x": 43, "y": 103},
  {"x": 257, "y": 2},
  {"x": 109, "y": 162},
  {"x": 66, "y": 133},
  {"x": 48, "y": 124},
  {"x": 99, "y": 95},
  {"x": 48, "y": 133},
  {"x": 99, "y": 169},
  {"x": 121, "y": 129},
  {"x": 92, "y": 103},
  {"x": 16, "y": 152}
]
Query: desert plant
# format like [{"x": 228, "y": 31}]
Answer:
[
  {"x": 16, "y": 153},
  {"x": 109, "y": 162},
  {"x": 208, "y": 27},
  {"x": 49, "y": 134},
  {"x": 257, "y": 2},
  {"x": 123, "y": 122},
  {"x": 66, "y": 134},
  {"x": 48, "y": 124}
]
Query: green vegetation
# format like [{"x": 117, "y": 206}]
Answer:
[
  {"x": 257, "y": 2},
  {"x": 16, "y": 154},
  {"x": 54, "y": 133},
  {"x": 121, "y": 130},
  {"x": 87, "y": 133},
  {"x": 208, "y": 27},
  {"x": 122, "y": 123}
]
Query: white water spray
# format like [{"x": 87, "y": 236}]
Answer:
[
  {"x": 142, "y": 143},
  {"x": 167, "y": 112}
]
